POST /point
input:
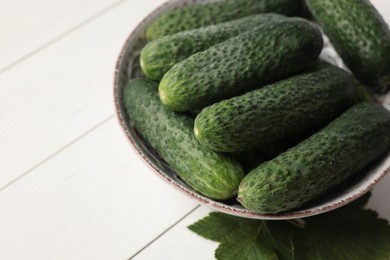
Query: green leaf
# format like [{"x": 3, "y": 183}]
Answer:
[
  {"x": 350, "y": 232},
  {"x": 281, "y": 234},
  {"x": 222, "y": 227},
  {"x": 240, "y": 238},
  {"x": 248, "y": 245}
]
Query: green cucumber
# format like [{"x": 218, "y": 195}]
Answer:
[
  {"x": 158, "y": 56},
  {"x": 271, "y": 51},
  {"x": 361, "y": 37},
  {"x": 196, "y": 16},
  {"x": 274, "y": 112},
  {"x": 324, "y": 160},
  {"x": 171, "y": 135}
]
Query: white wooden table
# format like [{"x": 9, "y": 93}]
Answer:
[{"x": 70, "y": 185}]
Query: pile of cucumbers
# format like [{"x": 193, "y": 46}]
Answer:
[{"x": 236, "y": 100}]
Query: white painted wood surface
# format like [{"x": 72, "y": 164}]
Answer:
[
  {"x": 62, "y": 91},
  {"x": 70, "y": 185}
]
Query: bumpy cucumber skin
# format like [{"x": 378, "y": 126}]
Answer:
[
  {"x": 272, "y": 51},
  {"x": 345, "y": 146},
  {"x": 360, "y": 36},
  {"x": 279, "y": 110},
  {"x": 171, "y": 135},
  {"x": 197, "y": 16},
  {"x": 158, "y": 56}
]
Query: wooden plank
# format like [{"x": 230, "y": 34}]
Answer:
[
  {"x": 26, "y": 26},
  {"x": 95, "y": 200},
  {"x": 180, "y": 242},
  {"x": 52, "y": 98}
]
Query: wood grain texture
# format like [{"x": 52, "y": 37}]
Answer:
[
  {"x": 26, "y": 26},
  {"x": 95, "y": 200},
  {"x": 64, "y": 91},
  {"x": 181, "y": 243}
]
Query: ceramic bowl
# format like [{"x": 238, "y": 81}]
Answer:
[{"x": 128, "y": 67}]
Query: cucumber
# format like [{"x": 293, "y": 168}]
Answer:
[
  {"x": 279, "y": 110},
  {"x": 196, "y": 16},
  {"x": 158, "y": 56},
  {"x": 361, "y": 37},
  {"x": 271, "y": 51},
  {"x": 324, "y": 160},
  {"x": 212, "y": 174}
]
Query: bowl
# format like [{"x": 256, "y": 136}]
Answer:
[{"x": 128, "y": 67}]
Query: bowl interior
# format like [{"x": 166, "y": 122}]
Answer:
[{"x": 128, "y": 67}]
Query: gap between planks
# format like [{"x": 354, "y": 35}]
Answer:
[
  {"x": 58, "y": 152},
  {"x": 164, "y": 232},
  {"x": 61, "y": 36}
]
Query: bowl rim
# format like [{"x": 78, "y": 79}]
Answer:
[{"x": 217, "y": 205}]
